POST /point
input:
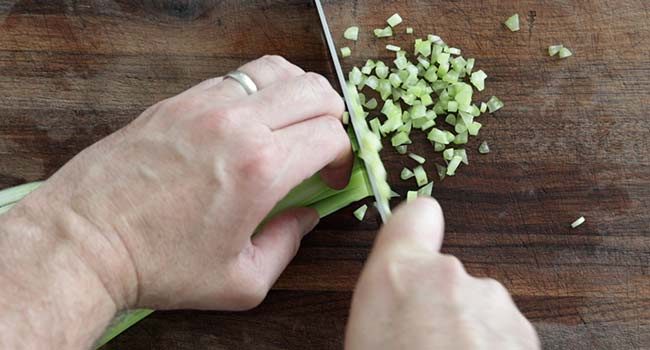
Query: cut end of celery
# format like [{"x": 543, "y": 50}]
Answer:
[
  {"x": 394, "y": 20},
  {"x": 579, "y": 221},
  {"x": 360, "y": 213},
  {"x": 513, "y": 23},
  {"x": 352, "y": 33},
  {"x": 346, "y": 52}
]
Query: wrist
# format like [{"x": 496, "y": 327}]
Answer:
[{"x": 54, "y": 294}]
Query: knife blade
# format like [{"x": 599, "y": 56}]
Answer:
[{"x": 382, "y": 206}]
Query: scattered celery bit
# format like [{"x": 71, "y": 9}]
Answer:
[
  {"x": 473, "y": 128},
  {"x": 564, "y": 52},
  {"x": 352, "y": 33},
  {"x": 513, "y": 23},
  {"x": 554, "y": 49},
  {"x": 453, "y": 165},
  {"x": 368, "y": 67},
  {"x": 438, "y": 147},
  {"x": 394, "y": 20},
  {"x": 420, "y": 175},
  {"x": 478, "y": 80},
  {"x": 470, "y": 65},
  {"x": 345, "y": 118},
  {"x": 400, "y": 138},
  {"x": 371, "y": 104},
  {"x": 355, "y": 76},
  {"x": 394, "y": 48},
  {"x": 441, "y": 170},
  {"x": 383, "y": 33},
  {"x": 461, "y": 138},
  {"x": 448, "y": 154},
  {"x": 494, "y": 104},
  {"x": 402, "y": 149},
  {"x": 346, "y": 52},
  {"x": 579, "y": 221},
  {"x": 463, "y": 155},
  {"x": 372, "y": 82},
  {"x": 375, "y": 125},
  {"x": 483, "y": 148},
  {"x": 483, "y": 107},
  {"x": 439, "y": 136},
  {"x": 409, "y": 30},
  {"x": 406, "y": 174},
  {"x": 360, "y": 213},
  {"x": 426, "y": 190},
  {"x": 417, "y": 158},
  {"x": 451, "y": 119},
  {"x": 411, "y": 196},
  {"x": 381, "y": 70}
]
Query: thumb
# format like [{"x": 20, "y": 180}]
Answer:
[{"x": 418, "y": 225}]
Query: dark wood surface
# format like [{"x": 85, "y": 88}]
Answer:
[{"x": 573, "y": 139}]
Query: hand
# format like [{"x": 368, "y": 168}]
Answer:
[
  {"x": 164, "y": 210},
  {"x": 412, "y": 297}
]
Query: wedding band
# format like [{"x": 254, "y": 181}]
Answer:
[{"x": 244, "y": 80}]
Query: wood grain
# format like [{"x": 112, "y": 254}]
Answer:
[{"x": 573, "y": 139}]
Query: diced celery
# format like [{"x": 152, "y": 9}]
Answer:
[
  {"x": 360, "y": 213},
  {"x": 438, "y": 147},
  {"x": 554, "y": 49},
  {"x": 494, "y": 104},
  {"x": 345, "y": 52},
  {"x": 406, "y": 174},
  {"x": 409, "y": 30},
  {"x": 383, "y": 33},
  {"x": 579, "y": 221},
  {"x": 460, "y": 126},
  {"x": 452, "y": 106},
  {"x": 352, "y": 33},
  {"x": 422, "y": 47},
  {"x": 429, "y": 123},
  {"x": 461, "y": 138},
  {"x": 381, "y": 70},
  {"x": 450, "y": 119},
  {"x": 483, "y": 107},
  {"x": 384, "y": 89},
  {"x": 371, "y": 104},
  {"x": 513, "y": 23},
  {"x": 400, "y": 138},
  {"x": 375, "y": 125},
  {"x": 426, "y": 191},
  {"x": 420, "y": 175},
  {"x": 417, "y": 158},
  {"x": 401, "y": 149},
  {"x": 448, "y": 154},
  {"x": 393, "y": 48},
  {"x": 450, "y": 136},
  {"x": 453, "y": 165},
  {"x": 411, "y": 196},
  {"x": 484, "y": 148},
  {"x": 470, "y": 65},
  {"x": 355, "y": 76},
  {"x": 439, "y": 136},
  {"x": 345, "y": 118},
  {"x": 394, "y": 20},
  {"x": 406, "y": 127},
  {"x": 564, "y": 52},
  {"x": 451, "y": 77},
  {"x": 442, "y": 171},
  {"x": 372, "y": 82},
  {"x": 473, "y": 128},
  {"x": 478, "y": 80},
  {"x": 463, "y": 155}
]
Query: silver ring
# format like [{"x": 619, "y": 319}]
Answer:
[{"x": 244, "y": 80}]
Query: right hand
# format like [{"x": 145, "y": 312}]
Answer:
[{"x": 412, "y": 297}]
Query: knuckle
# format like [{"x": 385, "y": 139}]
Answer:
[
  {"x": 221, "y": 121},
  {"x": 317, "y": 83},
  {"x": 494, "y": 287},
  {"x": 258, "y": 157},
  {"x": 451, "y": 266},
  {"x": 275, "y": 60}
]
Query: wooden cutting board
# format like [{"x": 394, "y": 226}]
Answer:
[{"x": 573, "y": 139}]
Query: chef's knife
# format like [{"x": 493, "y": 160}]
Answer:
[{"x": 382, "y": 206}]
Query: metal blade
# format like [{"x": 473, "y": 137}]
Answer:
[{"x": 381, "y": 206}]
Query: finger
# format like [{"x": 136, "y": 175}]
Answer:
[
  {"x": 288, "y": 102},
  {"x": 278, "y": 241},
  {"x": 312, "y": 145},
  {"x": 413, "y": 226},
  {"x": 263, "y": 71}
]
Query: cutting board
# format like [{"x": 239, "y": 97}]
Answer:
[{"x": 572, "y": 140}]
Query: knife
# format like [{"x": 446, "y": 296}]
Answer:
[{"x": 382, "y": 206}]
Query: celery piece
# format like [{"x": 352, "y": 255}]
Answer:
[
  {"x": 422, "y": 47},
  {"x": 394, "y": 20},
  {"x": 438, "y": 147},
  {"x": 513, "y": 23},
  {"x": 371, "y": 104},
  {"x": 375, "y": 125},
  {"x": 411, "y": 196},
  {"x": 368, "y": 67},
  {"x": 435, "y": 39},
  {"x": 424, "y": 62},
  {"x": 564, "y": 52},
  {"x": 426, "y": 100},
  {"x": 470, "y": 65},
  {"x": 453, "y": 165},
  {"x": 345, "y": 118},
  {"x": 483, "y": 107},
  {"x": 372, "y": 82},
  {"x": 383, "y": 33},
  {"x": 345, "y": 52},
  {"x": 442, "y": 171},
  {"x": 460, "y": 126},
  {"x": 352, "y": 33},
  {"x": 452, "y": 106},
  {"x": 443, "y": 58},
  {"x": 448, "y": 154},
  {"x": 461, "y": 138},
  {"x": 355, "y": 76},
  {"x": 478, "y": 80},
  {"x": 473, "y": 128},
  {"x": 406, "y": 174},
  {"x": 439, "y": 136},
  {"x": 483, "y": 148},
  {"x": 406, "y": 127},
  {"x": 420, "y": 175},
  {"x": 394, "y": 80},
  {"x": 436, "y": 50},
  {"x": 393, "y": 48},
  {"x": 360, "y": 213},
  {"x": 475, "y": 110},
  {"x": 406, "y": 117},
  {"x": 450, "y": 119},
  {"x": 417, "y": 158},
  {"x": 402, "y": 149},
  {"x": 494, "y": 104},
  {"x": 463, "y": 155},
  {"x": 579, "y": 221},
  {"x": 450, "y": 136},
  {"x": 451, "y": 77},
  {"x": 409, "y": 30},
  {"x": 554, "y": 49},
  {"x": 401, "y": 138},
  {"x": 426, "y": 191},
  {"x": 401, "y": 62},
  {"x": 384, "y": 89},
  {"x": 427, "y": 124},
  {"x": 431, "y": 74},
  {"x": 381, "y": 70}
]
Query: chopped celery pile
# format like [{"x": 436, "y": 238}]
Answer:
[{"x": 513, "y": 23}]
